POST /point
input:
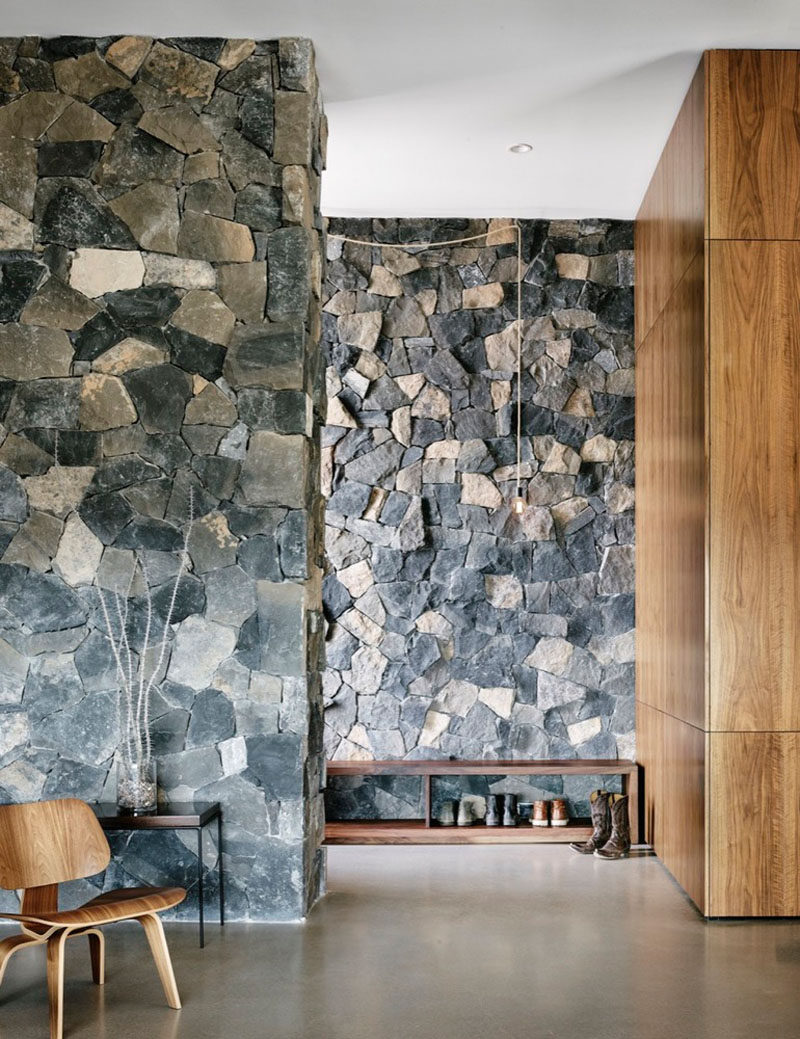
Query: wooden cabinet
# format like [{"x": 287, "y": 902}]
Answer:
[{"x": 718, "y": 488}]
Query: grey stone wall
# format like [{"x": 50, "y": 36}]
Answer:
[
  {"x": 455, "y": 627},
  {"x": 160, "y": 277}
]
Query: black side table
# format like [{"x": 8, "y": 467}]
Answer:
[{"x": 177, "y": 816}]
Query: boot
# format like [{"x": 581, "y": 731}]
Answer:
[
  {"x": 540, "y": 816},
  {"x": 601, "y": 823},
  {"x": 558, "y": 812},
  {"x": 619, "y": 844},
  {"x": 509, "y": 810},
  {"x": 492, "y": 810}
]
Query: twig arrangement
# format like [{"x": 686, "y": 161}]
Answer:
[{"x": 136, "y": 678}]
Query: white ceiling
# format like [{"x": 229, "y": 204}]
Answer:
[{"x": 425, "y": 96}]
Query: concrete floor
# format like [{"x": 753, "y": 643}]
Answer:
[{"x": 446, "y": 943}]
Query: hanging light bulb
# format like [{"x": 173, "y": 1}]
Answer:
[{"x": 518, "y": 504}]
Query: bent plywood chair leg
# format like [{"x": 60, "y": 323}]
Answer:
[
  {"x": 158, "y": 947},
  {"x": 97, "y": 953},
  {"x": 55, "y": 982},
  {"x": 8, "y": 946}
]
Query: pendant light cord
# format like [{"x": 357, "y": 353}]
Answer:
[{"x": 461, "y": 241}]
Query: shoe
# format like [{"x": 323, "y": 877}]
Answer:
[
  {"x": 540, "y": 816},
  {"x": 447, "y": 815},
  {"x": 509, "y": 810},
  {"x": 492, "y": 810},
  {"x": 601, "y": 824},
  {"x": 619, "y": 843},
  {"x": 466, "y": 814},
  {"x": 558, "y": 812}
]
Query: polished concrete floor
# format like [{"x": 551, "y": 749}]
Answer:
[{"x": 446, "y": 943}]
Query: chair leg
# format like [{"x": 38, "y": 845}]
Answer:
[
  {"x": 55, "y": 982},
  {"x": 158, "y": 947},
  {"x": 8, "y": 946},
  {"x": 97, "y": 953}
]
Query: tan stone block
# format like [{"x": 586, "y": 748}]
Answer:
[
  {"x": 500, "y": 390},
  {"x": 477, "y": 489},
  {"x": 552, "y": 655},
  {"x": 404, "y": 318},
  {"x": 383, "y": 283},
  {"x": 483, "y": 296},
  {"x": 151, "y": 213},
  {"x": 572, "y": 265},
  {"x": 178, "y": 271},
  {"x": 56, "y": 305},
  {"x": 80, "y": 122},
  {"x": 399, "y": 262},
  {"x": 128, "y": 53},
  {"x": 128, "y": 356},
  {"x": 95, "y": 272},
  {"x": 410, "y": 384},
  {"x": 501, "y": 231},
  {"x": 203, "y": 166},
  {"x": 621, "y": 383},
  {"x": 566, "y": 511},
  {"x": 87, "y": 76},
  {"x": 498, "y": 699},
  {"x": 204, "y": 314},
  {"x": 59, "y": 490},
  {"x": 342, "y": 302},
  {"x": 427, "y": 300},
  {"x": 243, "y": 287},
  {"x": 338, "y": 415},
  {"x": 620, "y": 498},
  {"x": 293, "y": 126},
  {"x": 204, "y": 237},
  {"x": 580, "y": 403},
  {"x": 559, "y": 350},
  {"x": 18, "y": 174},
  {"x": 104, "y": 403},
  {"x": 501, "y": 347},
  {"x": 30, "y": 115},
  {"x": 178, "y": 73},
  {"x": 79, "y": 553},
  {"x": 370, "y": 366},
  {"x": 297, "y": 204},
  {"x": 574, "y": 317},
  {"x": 503, "y": 591},
  {"x": 16, "y": 231},
  {"x": 210, "y": 407},
  {"x": 562, "y": 459},
  {"x": 234, "y": 53},
  {"x": 31, "y": 352},
  {"x": 598, "y": 449},
  {"x": 431, "y": 403},
  {"x": 180, "y": 128},
  {"x": 360, "y": 330}
]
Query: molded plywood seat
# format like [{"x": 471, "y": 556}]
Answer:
[{"x": 46, "y": 843}]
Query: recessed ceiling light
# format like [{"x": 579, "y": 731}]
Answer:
[{"x": 521, "y": 149}]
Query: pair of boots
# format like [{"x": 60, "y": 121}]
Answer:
[{"x": 611, "y": 833}]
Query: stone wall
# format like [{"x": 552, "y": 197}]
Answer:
[
  {"x": 455, "y": 627},
  {"x": 160, "y": 278}
]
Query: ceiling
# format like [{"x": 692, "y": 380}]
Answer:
[{"x": 424, "y": 97}]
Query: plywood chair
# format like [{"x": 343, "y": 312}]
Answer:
[{"x": 46, "y": 843}]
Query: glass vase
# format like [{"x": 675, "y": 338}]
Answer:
[{"x": 137, "y": 793}]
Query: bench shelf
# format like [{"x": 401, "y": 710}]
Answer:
[{"x": 427, "y": 831}]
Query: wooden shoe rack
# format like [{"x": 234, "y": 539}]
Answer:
[{"x": 427, "y": 831}]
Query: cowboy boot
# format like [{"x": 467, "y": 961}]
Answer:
[
  {"x": 601, "y": 824},
  {"x": 492, "y": 810},
  {"x": 619, "y": 844},
  {"x": 509, "y": 810}
]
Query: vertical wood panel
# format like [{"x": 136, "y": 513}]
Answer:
[
  {"x": 754, "y": 144},
  {"x": 670, "y": 505},
  {"x": 673, "y": 756},
  {"x": 754, "y": 513},
  {"x": 670, "y": 223},
  {"x": 755, "y": 825}
]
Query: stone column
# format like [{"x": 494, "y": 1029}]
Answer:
[{"x": 159, "y": 298}]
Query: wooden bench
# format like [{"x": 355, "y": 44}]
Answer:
[{"x": 427, "y": 831}]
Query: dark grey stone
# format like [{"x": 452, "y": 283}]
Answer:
[
  {"x": 68, "y": 158},
  {"x": 289, "y": 262},
  {"x": 51, "y": 403},
  {"x": 196, "y": 355},
  {"x": 75, "y": 215},
  {"x": 160, "y": 395},
  {"x": 275, "y": 763},
  {"x": 44, "y": 603},
  {"x": 148, "y": 305},
  {"x": 18, "y": 279},
  {"x": 13, "y": 500},
  {"x": 212, "y": 719}
]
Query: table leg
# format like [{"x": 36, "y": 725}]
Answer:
[
  {"x": 200, "y": 884},
  {"x": 221, "y": 872}
]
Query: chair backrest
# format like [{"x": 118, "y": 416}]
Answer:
[{"x": 48, "y": 842}]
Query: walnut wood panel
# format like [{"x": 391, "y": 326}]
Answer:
[
  {"x": 670, "y": 505},
  {"x": 673, "y": 755},
  {"x": 415, "y": 832},
  {"x": 754, "y": 144},
  {"x": 754, "y": 610},
  {"x": 670, "y": 225},
  {"x": 755, "y": 828},
  {"x": 485, "y": 767},
  {"x": 50, "y": 842}
]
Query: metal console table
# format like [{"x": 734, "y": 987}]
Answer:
[{"x": 177, "y": 816}]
